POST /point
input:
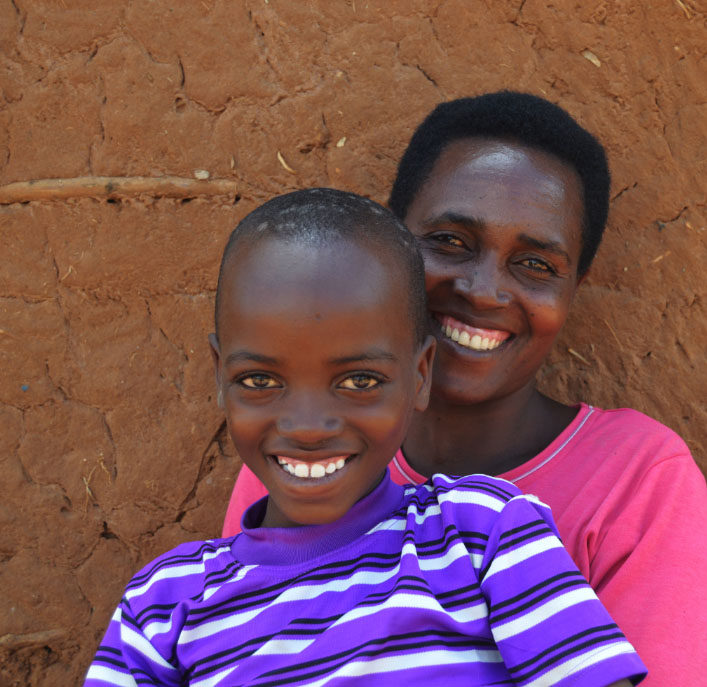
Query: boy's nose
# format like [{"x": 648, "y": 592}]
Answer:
[{"x": 308, "y": 423}]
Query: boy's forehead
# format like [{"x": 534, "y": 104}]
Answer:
[{"x": 283, "y": 275}]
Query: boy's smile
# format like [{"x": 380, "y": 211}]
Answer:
[{"x": 319, "y": 370}]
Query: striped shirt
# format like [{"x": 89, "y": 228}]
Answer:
[{"x": 453, "y": 582}]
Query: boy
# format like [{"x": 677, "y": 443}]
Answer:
[{"x": 341, "y": 577}]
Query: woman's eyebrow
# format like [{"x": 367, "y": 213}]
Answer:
[
  {"x": 249, "y": 356},
  {"x": 451, "y": 217},
  {"x": 549, "y": 246}
]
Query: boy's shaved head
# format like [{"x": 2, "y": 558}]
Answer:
[{"x": 324, "y": 216}]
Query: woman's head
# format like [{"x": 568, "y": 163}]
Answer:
[
  {"x": 508, "y": 198},
  {"x": 526, "y": 119}
]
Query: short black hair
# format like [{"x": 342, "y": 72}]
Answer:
[
  {"x": 526, "y": 119},
  {"x": 324, "y": 216}
]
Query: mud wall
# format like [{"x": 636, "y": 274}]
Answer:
[{"x": 111, "y": 446}]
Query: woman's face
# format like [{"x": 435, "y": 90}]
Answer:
[{"x": 499, "y": 226}]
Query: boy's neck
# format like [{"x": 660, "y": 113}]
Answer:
[{"x": 490, "y": 438}]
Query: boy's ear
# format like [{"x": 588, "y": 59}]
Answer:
[
  {"x": 426, "y": 356},
  {"x": 216, "y": 358}
]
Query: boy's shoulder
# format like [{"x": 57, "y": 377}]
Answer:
[
  {"x": 473, "y": 502},
  {"x": 476, "y": 488},
  {"x": 189, "y": 570}
]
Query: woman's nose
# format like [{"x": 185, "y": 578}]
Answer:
[{"x": 483, "y": 286}]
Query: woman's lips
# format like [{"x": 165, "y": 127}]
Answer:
[{"x": 471, "y": 337}]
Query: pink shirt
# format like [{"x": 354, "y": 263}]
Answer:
[{"x": 631, "y": 506}]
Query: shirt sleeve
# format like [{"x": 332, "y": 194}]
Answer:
[
  {"x": 247, "y": 490},
  {"x": 127, "y": 658},
  {"x": 649, "y": 568},
  {"x": 547, "y": 622}
]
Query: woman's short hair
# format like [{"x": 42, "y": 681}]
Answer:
[{"x": 523, "y": 118}]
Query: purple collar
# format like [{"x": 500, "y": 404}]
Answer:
[{"x": 293, "y": 545}]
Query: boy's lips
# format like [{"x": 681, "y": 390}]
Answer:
[
  {"x": 312, "y": 469},
  {"x": 475, "y": 338}
]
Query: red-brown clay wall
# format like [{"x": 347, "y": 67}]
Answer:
[{"x": 111, "y": 445}]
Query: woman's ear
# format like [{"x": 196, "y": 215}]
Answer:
[
  {"x": 425, "y": 360},
  {"x": 216, "y": 358}
]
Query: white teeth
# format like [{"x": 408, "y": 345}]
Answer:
[
  {"x": 313, "y": 470},
  {"x": 475, "y": 342},
  {"x": 317, "y": 470}
]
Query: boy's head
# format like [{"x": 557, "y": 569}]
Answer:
[{"x": 321, "y": 348}]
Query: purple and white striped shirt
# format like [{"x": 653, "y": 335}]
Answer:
[{"x": 453, "y": 582}]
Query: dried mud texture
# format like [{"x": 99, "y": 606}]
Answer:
[{"x": 112, "y": 449}]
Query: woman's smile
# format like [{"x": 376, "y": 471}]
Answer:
[
  {"x": 468, "y": 336},
  {"x": 499, "y": 228}
]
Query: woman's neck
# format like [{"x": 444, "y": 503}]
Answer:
[{"x": 489, "y": 438}]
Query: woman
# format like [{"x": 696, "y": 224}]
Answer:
[{"x": 508, "y": 197}]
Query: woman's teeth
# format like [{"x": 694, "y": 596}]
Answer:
[
  {"x": 311, "y": 470},
  {"x": 475, "y": 342}
]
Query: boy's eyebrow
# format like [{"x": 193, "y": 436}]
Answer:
[
  {"x": 238, "y": 356},
  {"x": 373, "y": 354}
]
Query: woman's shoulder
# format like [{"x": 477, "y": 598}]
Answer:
[{"x": 622, "y": 428}]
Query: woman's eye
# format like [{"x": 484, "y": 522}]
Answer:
[
  {"x": 258, "y": 381},
  {"x": 536, "y": 264},
  {"x": 449, "y": 240},
  {"x": 359, "y": 382}
]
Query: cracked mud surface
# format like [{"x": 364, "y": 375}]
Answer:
[{"x": 112, "y": 449}]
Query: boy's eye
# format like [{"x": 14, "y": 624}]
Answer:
[
  {"x": 258, "y": 381},
  {"x": 359, "y": 382}
]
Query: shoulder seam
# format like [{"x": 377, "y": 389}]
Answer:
[{"x": 591, "y": 412}]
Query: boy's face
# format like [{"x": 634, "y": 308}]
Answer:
[{"x": 319, "y": 372}]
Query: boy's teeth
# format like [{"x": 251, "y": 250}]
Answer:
[
  {"x": 311, "y": 470},
  {"x": 317, "y": 470}
]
